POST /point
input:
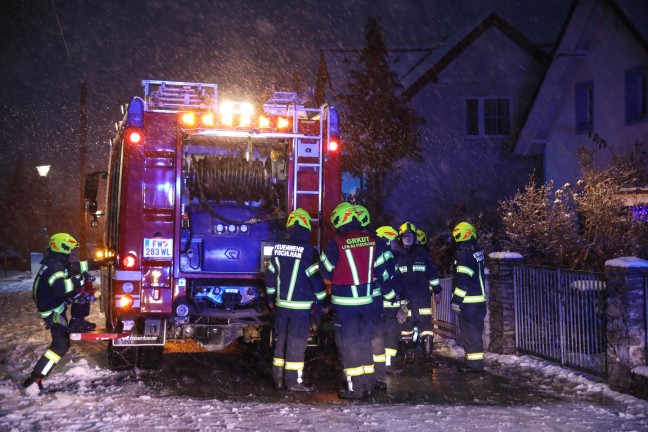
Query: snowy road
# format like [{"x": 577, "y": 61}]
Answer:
[{"x": 205, "y": 392}]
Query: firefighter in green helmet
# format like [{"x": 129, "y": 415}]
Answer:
[
  {"x": 55, "y": 286},
  {"x": 293, "y": 285},
  {"x": 469, "y": 295}
]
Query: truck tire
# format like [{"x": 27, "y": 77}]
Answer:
[
  {"x": 122, "y": 358},
  {"x": 150, "y": 357}
]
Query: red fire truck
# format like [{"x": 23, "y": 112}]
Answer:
[{"x": 198, "y": 191}]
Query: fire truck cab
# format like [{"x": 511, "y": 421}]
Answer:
[{"x": 198, "y": 191}]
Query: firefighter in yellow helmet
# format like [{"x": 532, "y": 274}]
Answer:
[
  {"x": 350, "y": 262},
  {"x": 417, "y": 281},
  {"x": 293, "y": 285},
  {"x": 469, "y": 295},
  {"x": 392, "y": 333},
  {"x": 382, "y": 293},
  {"x": 54, "y": 288}
]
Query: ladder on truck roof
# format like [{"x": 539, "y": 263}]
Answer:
[
  {"x": 309, "y": 160},
  {"x": 174, "y": 96},
  {"x": 308, "y": 150}
]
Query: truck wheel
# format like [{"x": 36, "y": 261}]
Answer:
[
  {"x": 121, "y": 358},
  {"x": 150, "y": 357}
]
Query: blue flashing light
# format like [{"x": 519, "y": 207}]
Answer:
[
  {"x": 335, "y": 124},
  {"x": 135, "y": 116}
]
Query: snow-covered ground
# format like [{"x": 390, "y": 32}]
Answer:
[{"x": 92, "y": 398}]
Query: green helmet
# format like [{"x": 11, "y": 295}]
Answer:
[
  {"x": 362, "y": 214},
  {"x": 407, "y": 227},
  {"x": 62, "y": 242},
  {"x": 421, "y": 237},
  {"x": 343, "y": 214},
  {"x": 386, "y": 232},
  {"x": 299, "y": 217},
  {"x": 464, "y": 231}
]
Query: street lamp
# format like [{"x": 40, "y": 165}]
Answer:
[{"x": 43, "y": 170}]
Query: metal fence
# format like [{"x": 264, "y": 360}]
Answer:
[
  {"x": 559, "y": 316},
  {"x": 443, "y": 317}
]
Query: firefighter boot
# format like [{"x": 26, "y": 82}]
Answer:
[
  {"x": 33, "y": 386},
  {"x": 427, "y": 349},
  {"x": 80, "y": 325},
  {"x": 409, "y": 352},
  {"x": 350, "y": 392},
  {"x": 278, "y": 377}
]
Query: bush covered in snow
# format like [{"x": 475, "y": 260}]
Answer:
[{"x": 578, "y": 226}]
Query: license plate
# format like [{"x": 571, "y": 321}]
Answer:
[{"x": 158, "y": 248}]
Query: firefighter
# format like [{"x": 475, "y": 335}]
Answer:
[
  {"x": 293, "y": 284},
  {"x": 382, "y": 292},
  {"x": 418, "y": 281},
  {"x": 469, "y": 296},
  {"x": 350, "y": 263},
  {"x": 54, "y": 288},
  {"x": 392, "y": 332}
]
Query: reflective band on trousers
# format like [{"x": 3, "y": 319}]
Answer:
[
  {"x": 59, "y": 310},
  {"x": 351, "y": 372},
  {"x": 379, "y": 358},
  {"x": 369, "y": 369},
  {"x": 293, "y": 366},
  {"x": 279, "y": 362},
  {"x": 475, "y": 356}
]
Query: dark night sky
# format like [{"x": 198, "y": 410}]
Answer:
[{"x": 241, "y": 45}]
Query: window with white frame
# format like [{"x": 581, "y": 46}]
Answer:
[
  {"x": 488, "y": 117},
  {"x": 584, "y": 101},
  {"x": 636, "y": 94}
]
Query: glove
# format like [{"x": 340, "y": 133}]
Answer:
[
  {"x": 401, "y": 314},
  {"x": 455, "y": 304},
  {"x": 82, "y": 278}
]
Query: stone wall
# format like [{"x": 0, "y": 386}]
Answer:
[
  {"x": 626, "y": 324},
  {"x": 501, "y": 302}
]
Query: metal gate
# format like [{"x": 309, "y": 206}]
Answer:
[
  {"x": 559, "y": 316},
  {"x": 443, "y": 318}
]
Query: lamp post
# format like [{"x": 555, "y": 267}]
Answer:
[{"x": 43, "y": 170}]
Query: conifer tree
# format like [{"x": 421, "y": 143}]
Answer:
[{"x": 378, "y": 125}]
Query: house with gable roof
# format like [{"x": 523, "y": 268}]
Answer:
[
  {"x": 473, "y": 92},
  {"x": 594, "y": 94}
]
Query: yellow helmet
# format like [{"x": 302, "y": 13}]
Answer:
[
  {"x": 464, "y": 231},
  {"x": 62, "y": 242},
  {"x": 421, "y": 237},
  {"x": 343, "y": 214},
  {"x": 407, "y": 227},
  {"x": 299, "y": 217},
  {"x": 386, "y": 232},
  {"x": 362, "y": 214}
]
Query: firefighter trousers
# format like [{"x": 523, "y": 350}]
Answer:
[
  {"x": 353, "y": 326},
  {"x": 291, "y": 330},
  {"x": 392, "y": 334},
  {"x": 378, "y": 343},
  {"x": 57, "y": 349},
  {"x": 471, "y": 329}
]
